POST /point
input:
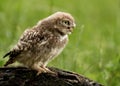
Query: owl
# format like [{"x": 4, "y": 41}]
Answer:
[{"x": 43, "y": 42}]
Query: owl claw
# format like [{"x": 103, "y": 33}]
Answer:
[
  {"x": 49, "y": 71},
  {"x": 41, "y": 70},
  {"x": 45, "y": 70}
]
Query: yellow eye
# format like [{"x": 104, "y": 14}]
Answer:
[{"x": 66, "y": 22}]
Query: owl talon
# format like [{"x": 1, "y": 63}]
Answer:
[
  {"x": 41, "y": 70},
  {"x": 45, "y": 70},
  {"x": 49, "y": 71}
]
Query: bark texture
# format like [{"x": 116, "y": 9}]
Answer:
[{"x": 21, "y": 76}]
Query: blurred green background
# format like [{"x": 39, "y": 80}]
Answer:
[{"x": 94, "y": 46}]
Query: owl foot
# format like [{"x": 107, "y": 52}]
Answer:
[
  {"x": 41, "y": 70},
  {"x": 48, "y": 70}
]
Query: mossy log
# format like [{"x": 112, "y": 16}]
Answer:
[{"x": 21, "y": 76}]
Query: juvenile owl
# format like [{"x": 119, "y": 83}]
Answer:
[{"x": 43, "y": 42}]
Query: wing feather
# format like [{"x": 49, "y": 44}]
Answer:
[{"x": 29, "y": 38}]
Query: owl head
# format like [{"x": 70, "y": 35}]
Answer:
[{"x": 60, "y": 21}]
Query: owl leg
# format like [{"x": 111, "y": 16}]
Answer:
[{"x": 39, "y": 69}]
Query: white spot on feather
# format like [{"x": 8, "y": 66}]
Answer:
[
  {"x": 63, "y": 37},
  {"x": 42, "y": 43}
]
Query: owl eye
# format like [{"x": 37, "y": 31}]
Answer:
[{"x": 66, "y": 22}]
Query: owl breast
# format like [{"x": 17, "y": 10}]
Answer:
[
  {"x": 57, "y": 48},
  {"x": 60, "y": 46}
]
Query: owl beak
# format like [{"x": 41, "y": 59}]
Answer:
[
  {"x": 74, "y": 25},
  {"x": 71, "y": 28}
]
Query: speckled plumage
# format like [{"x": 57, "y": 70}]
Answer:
[{"x": 40, "y": 44}]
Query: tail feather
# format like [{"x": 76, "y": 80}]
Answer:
[
  {"x": 12, "y": 55},
  {"x": 7, "y": 54},
  {"x": 10, "y": 61}
]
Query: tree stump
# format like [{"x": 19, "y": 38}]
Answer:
[{"x": 21, "y": 76}]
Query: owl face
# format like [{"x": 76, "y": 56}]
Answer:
[
  {"x": 64, "y": 22},
  {"x": 65, "y": 25}
]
